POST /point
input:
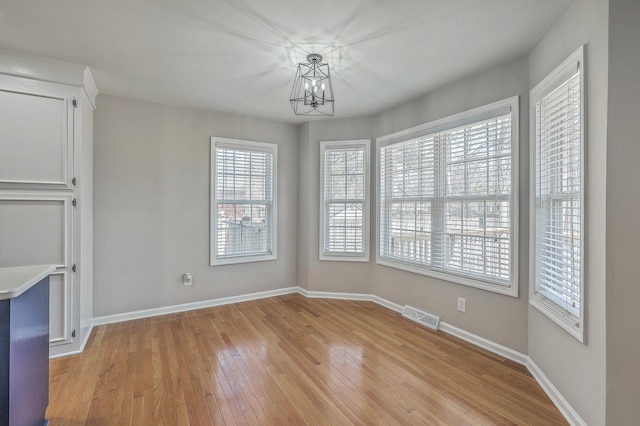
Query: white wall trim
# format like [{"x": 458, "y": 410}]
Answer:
[
  {"x": 146, "y": 313},
  {"x": 90, "y": 87},
  {"x": 489, "y": 345},
  {"x": 44, "y": 69},
  {"x": 350, "y": 296},
  {"x": 552, "y": 392},
  {"x": 271, "y": 188},
  {"x": 63, "y": 350},
  {"x": 386, "y": 303},
  {"x": 366, "y": 202},
  {"x": 333, "y": 295}
]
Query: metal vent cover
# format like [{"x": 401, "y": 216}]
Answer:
[{"x": 421, "y": 317}]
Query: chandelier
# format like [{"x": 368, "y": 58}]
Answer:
[{"x": 312, "y": 93}]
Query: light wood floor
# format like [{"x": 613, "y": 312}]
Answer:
[{"x": 289, "y": 360}]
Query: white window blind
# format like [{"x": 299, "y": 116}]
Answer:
[
  {"x": 558, "y": 211},
  {"x": 243, "y": 201},
  {"x": 446, "y": 201},
  {"x": 345, "y": 203}
]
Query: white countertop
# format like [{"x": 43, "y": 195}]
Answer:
[{"x": 16, "y": 280}]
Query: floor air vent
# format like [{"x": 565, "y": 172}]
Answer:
[{"x": 423, "y": 318}]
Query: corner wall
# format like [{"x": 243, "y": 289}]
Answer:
[
  {"x": 305, "y": 185},
  {"x": 314, "y": 274},
  {"x": 151, "y": 206},
  {"x": 623, "y": 211},
  {"x": 578, "y": 370}
]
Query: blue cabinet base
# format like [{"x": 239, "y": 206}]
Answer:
[{"x": 24, "y": 357}]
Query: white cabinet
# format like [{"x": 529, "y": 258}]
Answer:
[
  {"x": 46, "y": 184},
  {"x": 36, "y": 133},
  {"x": 36, "y": 229}
]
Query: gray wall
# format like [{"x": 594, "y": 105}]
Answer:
[
  {"x": 304, "y": 197},
  {"x": 576, "y": 369},
  {"x": 313, "y": 274},
  {"x": 502, "y": 319},
  {"x": 151, "y": 206},
  {"x": 623, "y": 211}
]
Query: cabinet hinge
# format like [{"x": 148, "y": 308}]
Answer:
[
  {"x": 73, "y": 268},
  {"x": 73, "y": 333},
  {"x": 74, "y": 202},
  {"x": 74, "y": 102},
  {"x": 74, "y": 181}
]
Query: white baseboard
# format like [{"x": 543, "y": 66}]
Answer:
[
  {"x": 487, "y": 344},
  {"x": 556, "y": 397},
  {"x": 554, "y": 394},
  {"x": 146, "y": 313},
  {"x": 73, "y": 348},
  {"x": 386, "y": 303},
  {"x": 332, "y": 295},
  {"x": 350, "y": 296},
  {"x": 85, "y": 332}
]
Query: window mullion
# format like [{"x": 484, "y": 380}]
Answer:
[
  {"x": 345, "y": 241},
  {"x": 437, "y": 211},
  {"x": 386, "y": 202}
]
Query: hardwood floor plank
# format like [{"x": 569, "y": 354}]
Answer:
[{"x": 289, "y": 360}]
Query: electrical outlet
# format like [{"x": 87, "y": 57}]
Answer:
[
  {"x": 462, "y": 304},
  {"x": 187, "y": 279}
]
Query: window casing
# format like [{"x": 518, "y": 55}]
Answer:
[
  {"x": 243, "y": 201},
  {"x": 448, "y": 198},
  {"x": 557, "y": 195},
  {"x": 344, "y": 204}
]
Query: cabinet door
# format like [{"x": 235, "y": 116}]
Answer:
[
  {"x": 36, "y": 229},
  {"x": 36, "y": 134}
]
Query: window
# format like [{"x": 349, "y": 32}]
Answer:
[
  {"x": 344, "y": 224},
  {"x": 243, "y": 188},
  {"x": 448, "y": 198},
  {"x": 557, "y": 195}
]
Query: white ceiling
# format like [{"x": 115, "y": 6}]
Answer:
[{"x": 240, "y": 56}]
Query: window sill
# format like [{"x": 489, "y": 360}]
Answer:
[
  {"x": 242, "y": 259},
  {"x": 562, "y": 318},
  {"x": 344, "y": 258}
]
